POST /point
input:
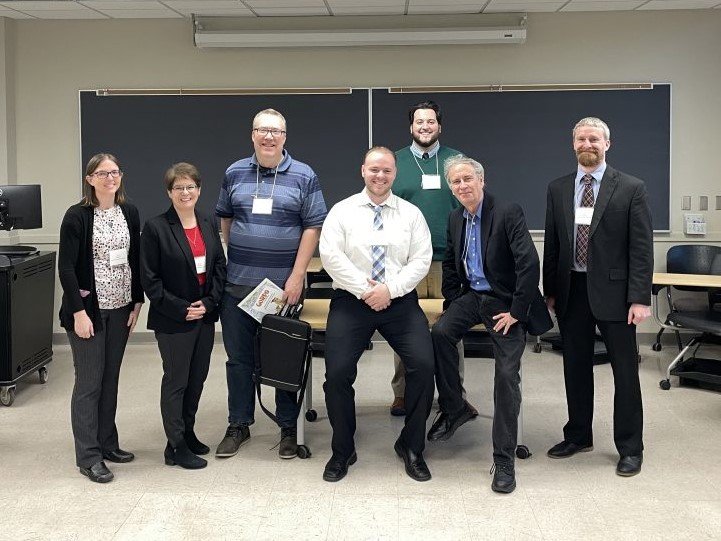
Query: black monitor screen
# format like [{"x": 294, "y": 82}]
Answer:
[{"x": 20, "y": 207}]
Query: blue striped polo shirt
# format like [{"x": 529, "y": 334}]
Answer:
[{"x": 265, "y": 245}]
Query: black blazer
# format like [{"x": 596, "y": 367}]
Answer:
[
  {"x": 75, "y": 263},
  {"x": 169, "y": 277},
  {"x": 510, "y": 260},
  {"x": 620, "y": 245}
]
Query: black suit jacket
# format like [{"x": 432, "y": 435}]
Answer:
[
  {"x": 169, "y": 277},
  {"x": 510, "y": 260},
  {"x": 620, "y": 245}
]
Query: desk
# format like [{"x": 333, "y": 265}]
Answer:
[{"x": 662, "y": 280}]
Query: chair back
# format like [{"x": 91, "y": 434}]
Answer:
[
  {"x": 691, "y": 259},
  {"x": 714, "y": 295}
]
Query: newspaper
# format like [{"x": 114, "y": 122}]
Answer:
[{"x": 266, "y": 298}]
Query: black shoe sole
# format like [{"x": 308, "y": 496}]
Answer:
[
  {"x": 582, "y": 450},
  {"x": 288, "y": 457},
  {"x": 119, "y": 460},
  {"x": 504, "y": 490},
  {"x": 228, "y": 455},
  {"x": 171, "y": 462},
  {"x": 399, "y": 451},
  {"x": 468, "y": 416},
  {"x": 352, "y": 460}
]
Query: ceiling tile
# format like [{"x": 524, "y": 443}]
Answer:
[
  {"x": 12, "y": 14},
  {"x": 68, "y": 14},
  {"x": 123, "y": 4},
  {"x": 142, "y": 14},
  {"x": 33, "y": 5},
  {"x": 290, "y": 11},
  {"x": 680, "y": 4},
  {"x": 228, "y": 8},
  {"x": 285, "y": 3},
  {"x": 511, "y": 6},
  {"x": 368, "y": 10},
  {"x": 453, "y": 8},
  {"x": 602, "y": 5}
]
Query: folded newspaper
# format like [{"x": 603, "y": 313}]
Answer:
[{"x": 266, "y": 298}]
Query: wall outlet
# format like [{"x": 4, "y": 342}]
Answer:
[{"x": 694, "y": 224}]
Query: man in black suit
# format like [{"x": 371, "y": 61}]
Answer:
[
  {"x": 490, "y": 276},
  {"x": 597, "y": 271}
]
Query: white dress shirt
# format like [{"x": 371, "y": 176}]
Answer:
[{"x": 347, "y": 237}]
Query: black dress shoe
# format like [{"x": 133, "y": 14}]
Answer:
[
  {"x": 567, "y": 448},
  {"x": 98, "y": 472},
  {"x": 183, "y": 457},
  {"x": 416, "y": 467},
  {"x": 195, "y": 445},
  {"x": 118, "y": 455},
  {"x": 629, "y": 466},
  {"x": 445, "y": 425},
  {"x": 504, "y": 478},
  {"x": 337, "y": 467}
]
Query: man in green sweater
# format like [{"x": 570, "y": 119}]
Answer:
[{"x": 420, "y": 168}]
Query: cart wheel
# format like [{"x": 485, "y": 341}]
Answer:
[
  {"x": 665, "y": 384},
  {"x": 311, "y": 415},
  {"x": 657, "y": 346},
  {"x": 7, "y": 396},
  {"x": 537, "y": 348},
  {"x": 43, "y": 374},
  {"x": 303, "y": 452},
  {"x": 522, "y": 452}
]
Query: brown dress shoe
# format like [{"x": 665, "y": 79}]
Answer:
[{"x": 398, "y": 408}]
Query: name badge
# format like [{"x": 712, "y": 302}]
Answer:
[
  {"x": 378, "y": 238},
  {"x": 584, "y": 215},
  {"x": 431, "y": 182},
  {"x": 263, "y": 205},
  {"x": 200, "y": 264},
  {"x": 118, "y": 257}
]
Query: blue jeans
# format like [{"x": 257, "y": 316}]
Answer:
[{"x": 239, "y": 331}]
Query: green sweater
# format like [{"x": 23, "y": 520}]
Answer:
[{"x": 435, "y": 205}]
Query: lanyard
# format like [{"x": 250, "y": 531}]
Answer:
[
  {"x": 419, "y": 165},
  {"x": 257, "y": 183}
]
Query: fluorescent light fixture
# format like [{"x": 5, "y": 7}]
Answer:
[{"x": 272, "y": 32}]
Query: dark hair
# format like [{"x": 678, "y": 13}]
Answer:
[
  {"x": 89, "y": 198},
  {"x": 380, "y": 148},
  {"x": 428, "y": 104},
  {"x": 180, "y": 170}
]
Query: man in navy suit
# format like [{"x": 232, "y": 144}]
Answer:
[
  {"x": 490, "y": 275},
  {"x": 598, "y": 271}
]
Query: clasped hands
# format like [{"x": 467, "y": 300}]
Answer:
[
  {"x": 377, "y": 296},
  {"x": 196, "y": 310}
]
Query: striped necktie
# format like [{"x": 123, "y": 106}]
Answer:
[
  {"x": 378, "y": 252},
  {"x": 587, "y": 200}
]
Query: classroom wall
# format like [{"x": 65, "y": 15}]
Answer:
[{"x": 46, "y": 63}]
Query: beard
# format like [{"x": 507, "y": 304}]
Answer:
[
  {"x": 429, "y": 144},
  {"x": 589, "y": 158}
]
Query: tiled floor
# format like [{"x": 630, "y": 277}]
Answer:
[{"x": 255, "y": 495}]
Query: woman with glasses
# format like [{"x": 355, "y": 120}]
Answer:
[
  {"x": 183, "y": 274},
  {"x": 99, "y": 269}
]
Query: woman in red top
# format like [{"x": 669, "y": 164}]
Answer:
[{"x": 183, "y": 274}]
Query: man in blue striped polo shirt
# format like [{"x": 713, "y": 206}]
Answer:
[{"x": 271, "y": 209}]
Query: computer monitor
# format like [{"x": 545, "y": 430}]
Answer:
[{"x": 20, "y": 208}]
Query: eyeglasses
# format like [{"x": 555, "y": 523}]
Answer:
[
  {"x": 466, "y": 180},
  {"x": 103, "y": 175},
  {"x": 180, "y": 189},
  {"x": 275, "y": 132}
]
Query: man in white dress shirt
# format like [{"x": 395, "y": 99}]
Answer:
[{"x": 376, "y": 247}]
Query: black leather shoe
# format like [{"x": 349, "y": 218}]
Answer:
[
  {"x": 288, "y": 447},
  {"x": 337, "y": 468},
  {"x": 567, "y": 448},
  {"x": 195, "y": 445},
  {"x": 629, "y": 466},
  {"x": 504, "y": 478},
  {"x": 416, "y": 467},
  {"x": 445, "y": 426},
  {"x": 183, "y": 457},
  {"x": 98, "y": 472},
  {"x": 118, "y": 455}
]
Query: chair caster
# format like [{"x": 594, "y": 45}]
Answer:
[
  {"x": 311, "y": 415},
  {"x": 304, "y": 452},
  {"x": 665, "y": 384},
  {"x": 657, "y": 346},
  {"x": 523, "y": 452}
]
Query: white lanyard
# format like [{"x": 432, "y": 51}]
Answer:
[
  {"x": 257, "y": 183},
  {"x": 419, "y": 165}
]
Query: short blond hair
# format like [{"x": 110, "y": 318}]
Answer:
[
  {"x": 593, "y": 122},
  {"x": 269, "y": 112}
]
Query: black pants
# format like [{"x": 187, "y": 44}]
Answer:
[
  {"x": 468, "y": 310},
  {"x": 97, "y": 363},
  {"x": 186, "y": 360},
  {"x": 351, "y": 324},
  {"x": 578, "y": 330}
]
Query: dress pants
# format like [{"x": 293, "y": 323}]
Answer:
[
  {"x": 186, "y": 360},
  {"x": 428, "y": 288},
  {"x": 578, "y": 331},
  {"x": 97, "y": 363},
  {"x": 466, "y": 311},
  {"x": 351, "y": 324}
]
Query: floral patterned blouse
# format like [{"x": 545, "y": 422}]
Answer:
[{"x": 112, "y": 283}]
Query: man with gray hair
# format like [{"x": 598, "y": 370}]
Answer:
[
  {"x": 597, "y": 271},
  {"x": 490, "y": 276}
]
